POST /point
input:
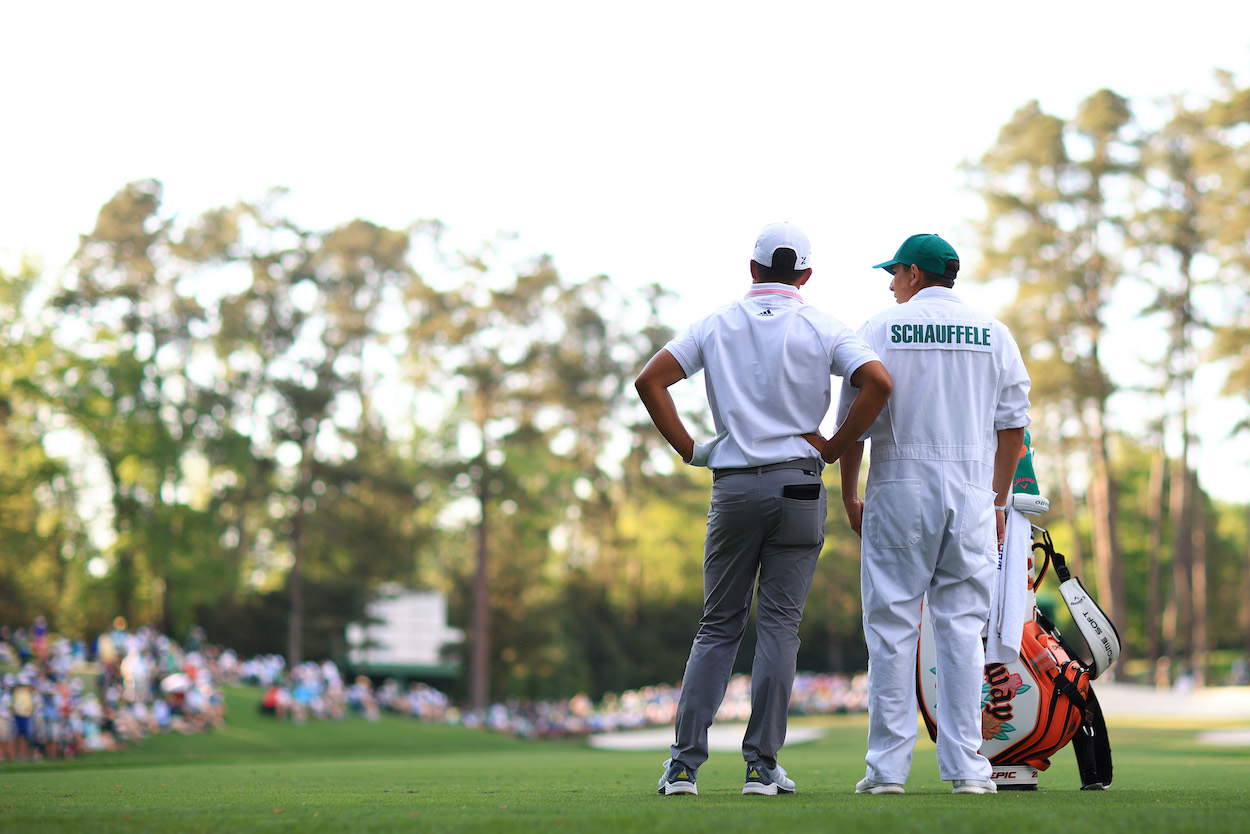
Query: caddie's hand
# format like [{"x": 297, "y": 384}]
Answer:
[
  {"x": 855, "y": 514},
  {"x": 703, "y": 450},
  {"x": 1000, "y": 523}
]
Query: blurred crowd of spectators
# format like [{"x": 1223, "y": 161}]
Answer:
[
  {"x": 656, "y": 706},
  {"x": 67, "y": 698},
  {"x": 318, "y": 691},
  {"x": 63, "y": 698},
  {"x": 54, "y": 705}
]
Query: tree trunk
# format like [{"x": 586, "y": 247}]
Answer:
[
  {"x": 1244, "y": 613},
  {"x": 1198, "y": 640},
  {"x": 167, "y": 596},
  {"x": 1154, "y": 520},
  {"x": 479, "y": 665},
  {"x": 1170, "y": 625},
  {"x": 124, "y": 583},
  {"x": 295, "y": 580},
  {"x": 1107, "y": 567},
  {"x": 1075, "y": 552},
  {"x": 295, "y": 589},
  {"x": 1179, "y": 625}
]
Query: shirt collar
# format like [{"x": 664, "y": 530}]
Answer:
[
  {"x": 787, "y": 290},
  {"x": 938, "y": 292}
]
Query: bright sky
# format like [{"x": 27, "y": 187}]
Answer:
[{"x": 648, "y": 141}]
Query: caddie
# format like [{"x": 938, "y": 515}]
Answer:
[
  {"x": 767, "y": 360},
  {"x": 943, "y": 454}
]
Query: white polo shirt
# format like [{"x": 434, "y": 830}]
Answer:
[
  {"x": 958, "y": 379},
  {"x": 768, "y": 359}
]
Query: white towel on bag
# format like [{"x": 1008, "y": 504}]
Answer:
[{"x": 1011, "y": 591}]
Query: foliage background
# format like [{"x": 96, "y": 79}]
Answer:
[{"x": 235, "y": 421}]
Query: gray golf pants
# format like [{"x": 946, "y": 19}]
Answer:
[{"x": 754, "y": 532}]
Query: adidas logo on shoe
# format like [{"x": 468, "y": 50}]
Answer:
[
  {"x": 677, "y": 779},
  {"x": 765, "y": 781}
]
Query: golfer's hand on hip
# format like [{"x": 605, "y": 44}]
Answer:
[{"x": 703, "y": 450}]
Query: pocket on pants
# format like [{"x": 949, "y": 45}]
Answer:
[
  {"x": 892, "y": 514},
  {"x": 802, "y": 521},
  {"x": 726, "y": 525},
  {"x": 731, "y": 507},
  {"x": 977, "y": 531}
]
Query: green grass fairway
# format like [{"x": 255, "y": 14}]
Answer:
[{"x": 399, "y": 775}]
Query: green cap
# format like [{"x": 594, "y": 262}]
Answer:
[{"x": 929, "y": 252}]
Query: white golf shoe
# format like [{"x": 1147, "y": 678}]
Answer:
[
  {"x": 974, "y": 786},
  {"x": 867, "y": 785}
]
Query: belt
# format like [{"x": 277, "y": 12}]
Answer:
[{"x": 809, "y": 466}]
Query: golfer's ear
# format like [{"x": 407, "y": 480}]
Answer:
[
  {"x": 807, "y": 273},
  {"x": 755, "y": 276}
]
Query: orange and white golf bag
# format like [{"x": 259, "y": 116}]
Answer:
[{"x": 1035, "y": 703}]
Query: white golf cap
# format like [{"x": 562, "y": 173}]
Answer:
[{"x": 782, "y": 235}]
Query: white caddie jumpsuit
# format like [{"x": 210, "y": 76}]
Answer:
[{"x": 928, "y": 524}]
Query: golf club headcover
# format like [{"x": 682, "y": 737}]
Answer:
[
  {"x": 1095, "y": 627},
  {"x": 1030, "y": 504},
  {"x": 1025, "y": 480}
]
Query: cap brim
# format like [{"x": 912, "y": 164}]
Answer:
[{"x": 886, "y": 265}]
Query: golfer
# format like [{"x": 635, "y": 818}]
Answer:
[
  {"x": 943, "y": 455},
  {"x": 768, "y": 359}
]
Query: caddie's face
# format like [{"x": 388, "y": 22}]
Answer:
[{"x": 903, "y": 282}]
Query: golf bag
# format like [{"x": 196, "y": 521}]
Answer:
[{"x": 1037, "y": 703}]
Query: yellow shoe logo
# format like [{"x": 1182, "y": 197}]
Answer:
[
  {"x": 682, "y": 775},
  {"x": 754, "y": 774}
]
